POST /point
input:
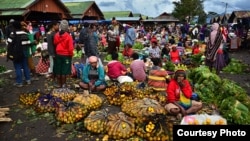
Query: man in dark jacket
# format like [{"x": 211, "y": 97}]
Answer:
[
  {"x": 9, "y": 28},
  {"x": 19, "y": 38},
  {"x": 87, "y": 38},
  {"x": 54, "y": 28}
]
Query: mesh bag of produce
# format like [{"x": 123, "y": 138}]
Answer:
[
  {"x": 90, "y": 101},
  {"x": 47, "y": 103},
  {"x": 116, "y": 95},
  {"x": 155, "y": 128},
  {"x": 29, "y": 98},
  {"x": 96, "y": 121},
  {"x": 70, "y": 112},
  {"x": 64, "y": 93},
  {"x": 142, "y": 107},
  {"x": 120, "y": 126}
]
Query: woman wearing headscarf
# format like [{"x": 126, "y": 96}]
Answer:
[
  {"x": 214, "y": 53},
  {"x": 93, "y": 75}
]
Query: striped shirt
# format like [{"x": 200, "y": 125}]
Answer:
[{"x": 157, "y": 79}]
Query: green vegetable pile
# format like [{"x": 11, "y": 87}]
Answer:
[
  {"x": 235, "y": 67},
  {"x": 138, "y": 46},
  {"x": 232, "y": 100},
  {"x": 77, "y": 54},
  {"x": 169, "y": 66},
  {"x": 109, "y": 58}
]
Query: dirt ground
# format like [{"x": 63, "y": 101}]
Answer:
[{"x": 24, "y": 127}]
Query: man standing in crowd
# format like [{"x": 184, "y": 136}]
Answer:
[
  {"x": 130, "y": 34},
  {"x": 18, "y": 39},
  {"x": 53, "y": 29}
]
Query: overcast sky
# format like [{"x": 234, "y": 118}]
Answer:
[{"x": 154, "y": 8}]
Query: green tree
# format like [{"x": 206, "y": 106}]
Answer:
[{"x": 185, "y": 10}]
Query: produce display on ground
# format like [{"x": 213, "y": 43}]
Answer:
[{"x": 129, "y": 112}]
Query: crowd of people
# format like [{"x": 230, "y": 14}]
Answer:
[{"x": 57, "y": 40}]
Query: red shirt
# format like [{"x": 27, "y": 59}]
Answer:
[
  {"x": 115, "y": 69},
  {"x": 127, "y": 52},
  {"x": 64, "y": 44},
  {"x": 175, "y": 56},
  {"x": 196, "y": 50},
  {"x": 173, "y": 90}
]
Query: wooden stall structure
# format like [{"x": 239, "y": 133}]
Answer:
[{"x": 33, "y": 10}]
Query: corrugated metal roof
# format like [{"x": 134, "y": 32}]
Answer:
[
  {"x": 161, "y": 20},
  {"x": 12, "y": 4},
  {"x": 78, "y": 7},
  {"x": 111, "y": 14},
  {"x": 14, "y": 13},
  {"x": 127, "y": 18}
]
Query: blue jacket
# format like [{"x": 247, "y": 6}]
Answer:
[
  {"x": 101, "y": 74},
  {"x": 130, "y": 36}
]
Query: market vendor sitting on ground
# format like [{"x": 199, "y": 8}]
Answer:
[
  {"x": 115, "y": 67},
  {"x": 158, "y": 77},
  {"x": 116, "y": 70},
  {"x": 128, "y": 51},
  {"x": 179, "y": 93},
  {"x": 93, "y": 75}
]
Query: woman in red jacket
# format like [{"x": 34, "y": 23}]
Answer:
[
  {"x": 64, "y": 52},
  {"x": 179, "y": 93}
]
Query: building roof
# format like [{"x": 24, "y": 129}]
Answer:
[
  {"x": 128, "y": 18},
  {"x": 22, "y": 7},
  {"x": 15, "y": 4},
  {"x": 110, "y": 14},
  {"x": 238, "y": 15},
  {"x": 241, "y": 14},
  {"x": 78, "y": 7}
]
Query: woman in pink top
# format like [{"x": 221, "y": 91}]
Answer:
[{"x": 138, "y": 68}]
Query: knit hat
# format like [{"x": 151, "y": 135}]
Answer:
[
  {"x": 180, "y": 73},
  {"x": 92, "y": 59},
  {"x": 64, "y": 25}
]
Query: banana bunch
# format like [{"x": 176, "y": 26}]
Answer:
[
  {"x": 70, "y": 112},
  {"x": 47, "y": 103},
  {"x": 90, "y": 101},
  {"x": 96, "y": 121},
  {"x": 180, "y": 67},
  {"x": 64, "y": 93},
  {"x": 120, "y": 126},
  {"x": 29, "y": 98}
]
